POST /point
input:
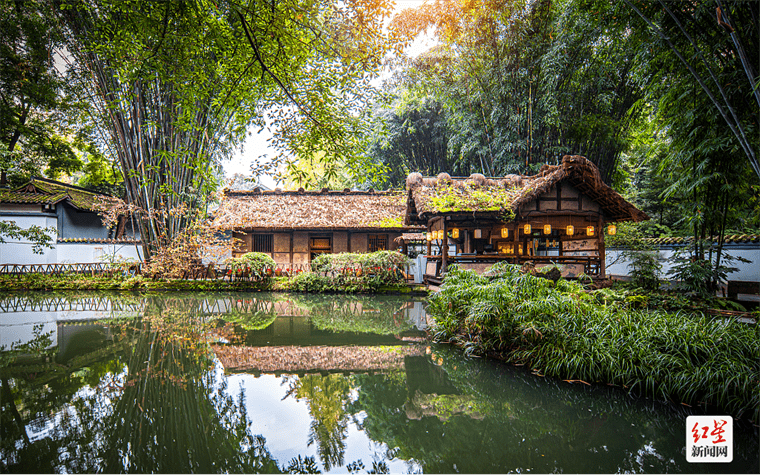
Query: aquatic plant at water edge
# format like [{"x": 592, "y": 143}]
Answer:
[{"x": 563, "y": 331}]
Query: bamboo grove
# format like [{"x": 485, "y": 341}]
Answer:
[{"x": 174, "y": 88}]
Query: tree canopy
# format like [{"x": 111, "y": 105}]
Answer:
[{"x": 175, "y": 86}]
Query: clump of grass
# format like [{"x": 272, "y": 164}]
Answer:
[{"x": 561, "y": 330}]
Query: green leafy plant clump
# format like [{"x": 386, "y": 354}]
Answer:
[
  {"x": 452, "y": 198},
  {"x": 360, "y": 271},
  {"x": 563, "y": 331},
  {"x": 255, "y": 266}
]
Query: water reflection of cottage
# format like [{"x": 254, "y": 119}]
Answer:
[{"x": 558, "y": 216}]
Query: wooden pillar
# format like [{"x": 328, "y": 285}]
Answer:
[
  {"x": 444, "y": 250},
  {"x": 602, "y": 269},
  {"x": 516, "y": 242}
]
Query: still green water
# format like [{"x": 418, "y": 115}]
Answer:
[{"x": 180, "y": 383}]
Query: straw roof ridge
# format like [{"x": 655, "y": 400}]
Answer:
[
  {"x": 428, "y": 197},
  {"x": 302, "y": 192}
]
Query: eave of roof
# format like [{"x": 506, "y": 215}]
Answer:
[{"x": 44, "y": 191}]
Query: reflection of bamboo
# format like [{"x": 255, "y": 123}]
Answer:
[
  {"x": 157, "y": 418},
  {"x": 10, "y": 401},
  {"x": 326, "y": 397}
]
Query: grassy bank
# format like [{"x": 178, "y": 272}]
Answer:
[
  {"x": 561, "y": 330},
  {"x": 301, "y": 283}
]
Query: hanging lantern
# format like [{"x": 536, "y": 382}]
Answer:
[
  {"x": 589, "y": 230},
  {"x": 455, "y": 233},
  {"x": 519, "y": 249},
  {"x": 504, "y": 233},
  {"x": 547, "y": 228},
  {"x": 478, "y": 234},
  {"x": 440, "y": 234},
  {"x": 429, "y": 235},
  {"x": 570, "y": 230},
  {"x": 526, "y": 229},
  {"x": 611, "y": 229}
]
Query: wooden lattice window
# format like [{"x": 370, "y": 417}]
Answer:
[
  {"x": 377, "y": 242},
  {"x": 319, "y": 245},
  {"x": 262, "y": 243}
]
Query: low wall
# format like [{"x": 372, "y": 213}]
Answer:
[
  {"x": 20, "y": 252},
  {"x": 618, "y": 266}
]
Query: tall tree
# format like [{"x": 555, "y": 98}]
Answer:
[
  {"x": 178, "y": 84},
  {"x": 715, "y": 46},
  {"x": 33, "y": 135},
  {"x": 411, "y": 135}
]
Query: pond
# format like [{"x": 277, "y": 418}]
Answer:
[{"x": 235, "y": 382}]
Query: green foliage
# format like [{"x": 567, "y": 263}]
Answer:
[
  {"x": 453, "y": 198},
  {"x": 410, "y": 134},
  {"x": 702, "y": 77},
  {"x": 256, "y": 266},
  {"x": 310, "y": 282},
  {"x": 39, "y": 237},
  {"x": 118, "y": 281},
  {"x": 698, "y": 276},
  {"x": 513, "y": 90},
  {"x": 560, "y": 330},
  {"x": 644, "y": 268},
  {"x": 35, "y": 112},
  {"x": 352, "y": 272}
]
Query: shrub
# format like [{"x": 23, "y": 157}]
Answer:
[
  {"x": 369, "y": 270},
  {"x": 255, "y": 266},
  {"x": 645, "y": 269},
  {"x": 700, "y": 276},
  {"x": 310, "y": 282}
]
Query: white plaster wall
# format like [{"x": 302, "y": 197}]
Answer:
[
  {"x": 18, "y": 327},
  {"x": 67, "y": 253},
  {"x": 19, "y": 251},
  {"x": 75, "y": 253},
  {"x": 748, "y": 272}
]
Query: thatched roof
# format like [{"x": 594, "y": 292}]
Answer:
[
  {"x": 493, "y": 197},
  {"x": 295, "y": 359},
  {"x": 43, "y": 191},
  {"x": 334, "y": 210},
  {"x": 411, "y": 237}
]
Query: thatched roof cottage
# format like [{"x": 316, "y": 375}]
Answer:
[
  {"x": 556, "y": 216},
  {"x": 295, "y": 226}
]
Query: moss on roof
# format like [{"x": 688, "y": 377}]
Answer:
[
  {"x": 44, "y": 191},
  {"x": 78, "y": 197},
  {"x": 20, "y": 197}
]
